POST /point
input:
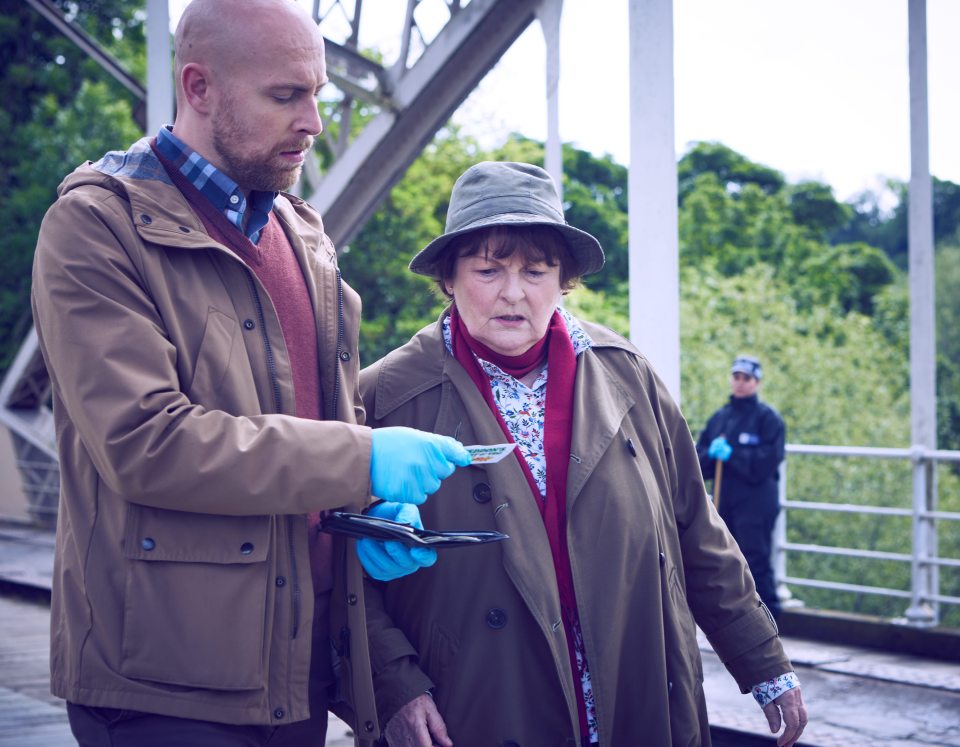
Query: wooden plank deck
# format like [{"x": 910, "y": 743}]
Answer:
[{"x": 29, "y": 715}]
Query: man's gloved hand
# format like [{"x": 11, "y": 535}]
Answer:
[
  {"x": 407, "y": 465},
  {"x": 720, "y": 449},
  {"x": 387, "y": 560}
]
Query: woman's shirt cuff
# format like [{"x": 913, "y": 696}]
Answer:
[{"x": 769, "y": 690}]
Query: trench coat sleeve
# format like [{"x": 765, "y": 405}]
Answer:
[
  {"x": 720, "y": 590},
  {"x": 112, "y": 362},
  {"x": 397, "y": 676}
]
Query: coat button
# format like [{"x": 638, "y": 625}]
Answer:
[
  {"x": 147, "y": 543},
  {"x": 344, "y": 356},
  {"x": 246, "y": 548},
  {"x": 249, "y": 324},
  {"x": 663, "y": 560},
  {"x": 631, "y": 447},
  {"x": 280, "y": 581},
  {"x": 351, "y": 599},
  {"x": 368, "y": 725},
  {"x": 145, "y": 219},
  {"x": 496, "y": 618},
  {"x": 184, "y": 229},
  {"x": 481, "y": 492},
  {"x": 278, "y": 713}
]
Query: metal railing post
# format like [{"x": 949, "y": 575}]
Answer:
[
  {"x": 921, "y": 612},
  {"x": 780, "y": 538}
]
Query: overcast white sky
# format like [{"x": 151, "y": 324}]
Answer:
[{"x": 814, "y": 88}]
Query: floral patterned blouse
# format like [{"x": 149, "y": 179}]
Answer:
[{"x": 523, "y": 409}]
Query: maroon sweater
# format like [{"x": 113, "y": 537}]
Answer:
[{"x": 275, "y": 264}]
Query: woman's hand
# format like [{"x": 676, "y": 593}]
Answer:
[
  {"x": 794, "y": 712},
  {"x": 417, "y": 724}
]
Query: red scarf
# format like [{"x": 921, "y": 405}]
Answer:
[{"x": 557, "y": 437}]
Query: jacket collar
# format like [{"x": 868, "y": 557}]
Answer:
[{"x": 159, "y": 210}]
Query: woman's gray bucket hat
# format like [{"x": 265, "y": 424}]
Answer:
[{"x": 502, "y": 193}]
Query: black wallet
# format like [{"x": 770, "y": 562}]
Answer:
[{"x": 361, "y": 525}]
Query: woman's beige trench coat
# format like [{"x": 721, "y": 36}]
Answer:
[{"x": 481, "y": 628}]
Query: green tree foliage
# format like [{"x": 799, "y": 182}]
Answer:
[
  {"x": 60, "y": 109},
  {"x": 887, "y": 229},
  {"x": 814, "y": 207},
  {"x": 396, "y": 303},
  {"x": 732, "y": 170}
]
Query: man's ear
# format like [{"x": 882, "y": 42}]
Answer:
[{"x": 195, "y": 80}]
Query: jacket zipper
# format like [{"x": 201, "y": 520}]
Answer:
[
  {"x": 340, "y": 325},
  {"x": 278, "y": 404},
  {"x": 295, "y": 595}
]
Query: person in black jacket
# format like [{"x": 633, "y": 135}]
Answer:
[{"x": 748, "y": 437}]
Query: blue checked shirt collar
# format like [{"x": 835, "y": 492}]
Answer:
[{"x": 224, "y": 194}]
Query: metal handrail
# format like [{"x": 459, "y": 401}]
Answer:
[{"x": 924, "y": 594}]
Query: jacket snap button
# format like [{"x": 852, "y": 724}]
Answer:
[
  {"x": 344, "y": 356},
  {"x": 246, "y": 548},
  {"x": 145, "y": 219},
  {"x": 496, "y": 618},
  {"x": 368, "y": 725},
  {"x": 249, "y": 324},
  {"x": 281, "y": 581},
  {"x": 147, "y": 543},
  {"x": 481, "y": 492},
  {"x": 351, "y": 599},
  {"x": 279, "y": 713},
  {"x": 663, "y": 559}
]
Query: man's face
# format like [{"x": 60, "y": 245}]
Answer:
[
  {"x": 743, "y": 385},
  {"x": 266, "y": 114}
]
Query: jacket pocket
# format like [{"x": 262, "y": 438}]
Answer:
[
  {"x": 195, "y": 598},
  {"x": 214, "y": 355}
]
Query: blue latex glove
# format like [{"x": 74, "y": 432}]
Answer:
[
  {"x": 387, "y": 560},
  {"x": 407, "y": 465},
  {"x": 720, "y": 449}
]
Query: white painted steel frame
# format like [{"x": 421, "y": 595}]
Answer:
[{"x": 652, "y": 186}]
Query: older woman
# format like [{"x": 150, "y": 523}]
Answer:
[{"x": 579, "y": 629}]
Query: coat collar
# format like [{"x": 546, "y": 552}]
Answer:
[{"x": 600, "y": 399}]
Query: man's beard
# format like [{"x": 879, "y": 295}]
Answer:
[{"x": 262, "y": 172}]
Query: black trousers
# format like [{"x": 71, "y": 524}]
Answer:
[
  {"x": 753, "y": 530},
  {"x": 113, "y": 727}
]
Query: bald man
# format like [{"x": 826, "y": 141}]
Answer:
[{"x": 202, "y": 351}]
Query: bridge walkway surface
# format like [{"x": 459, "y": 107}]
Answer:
[{"x": 857, "y": 695}]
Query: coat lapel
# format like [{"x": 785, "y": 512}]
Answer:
[{"x": 599, "y": 406}]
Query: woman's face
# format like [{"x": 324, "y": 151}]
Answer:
[{"x": 505, "y": 303}]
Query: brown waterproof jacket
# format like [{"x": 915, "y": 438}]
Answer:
[
  {"x": 182, "y": 580},
  {"x": 649, "y": 556}
]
